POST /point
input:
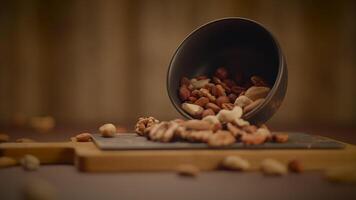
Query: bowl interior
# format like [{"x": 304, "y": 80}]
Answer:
[{"x": 240, "y": 45}]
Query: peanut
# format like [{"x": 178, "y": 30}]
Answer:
[
  {"x": 255, "y": 93},
  {"x": 192, "y": 109},
  {"x": 30, "y": 162},
  {"x": 107, "y": 130},
  {"x": 273, "y": 167},
  {"x": 235, "y": 163}
]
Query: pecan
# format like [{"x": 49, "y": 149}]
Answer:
[
  {"x": 222, "y": 99},
  {"x": 227, "y": 106},
  {"x": 221, "y": 138},
  {"x": 208, "y": 112},
  {"x": 143, "y": 123}
]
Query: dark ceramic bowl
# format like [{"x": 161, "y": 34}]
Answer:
[{"x": 240, "y": 45}]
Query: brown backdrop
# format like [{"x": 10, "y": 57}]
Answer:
[{"x": 89, "y": 61}]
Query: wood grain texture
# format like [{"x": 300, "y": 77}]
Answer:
[{"x": 87, "y": 157}]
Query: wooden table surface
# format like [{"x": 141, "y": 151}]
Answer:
[{"x": 71, "y": 184}]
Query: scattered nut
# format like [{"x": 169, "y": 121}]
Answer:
[
  {"x": 83, "y": 137},
  {"x": 42, "y": 124},
  {"x": 143, "y": 124},
  {"x": 107, "y": 130},
  {"x": 25, "y": 140},
  {"x": 280, "y": 137},
  {"x": 4, "y": 137},
  {"x": 255, "y": 93},
  {"x": 30, "y": 162},
  {"x": 221, "y": 138},
  {"x": 235, "y": 163},
  {"x": 273, "y": 167},
  {"x": 7, "y": 162},
  {"x": 192, "y": 109},
  {"x": 188, "y": 170},
  {"x": 295, "y": 166}
]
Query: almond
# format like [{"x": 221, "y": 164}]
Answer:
[
  {"x": 222, "y": 99},
  {"x": 184, "y": 92},
  {"x": 201, "y": 101},
  {"x": 213, "y": 106}
]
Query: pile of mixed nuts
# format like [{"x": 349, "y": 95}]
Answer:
[
  {"x": 218, "y": 105},
  {"x": 202, "y": 96}
]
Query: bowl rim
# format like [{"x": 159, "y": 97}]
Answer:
[{"x": 281, "y": 66}]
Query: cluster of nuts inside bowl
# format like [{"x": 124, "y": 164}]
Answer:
[
  {"x": 218, "y": 105},
  {"x": 202, "y": 96}
]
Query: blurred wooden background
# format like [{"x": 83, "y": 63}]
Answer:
[{"x": 85, "y": 61}]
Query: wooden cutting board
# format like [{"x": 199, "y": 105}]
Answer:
[{"x": 88, "y": 157}]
